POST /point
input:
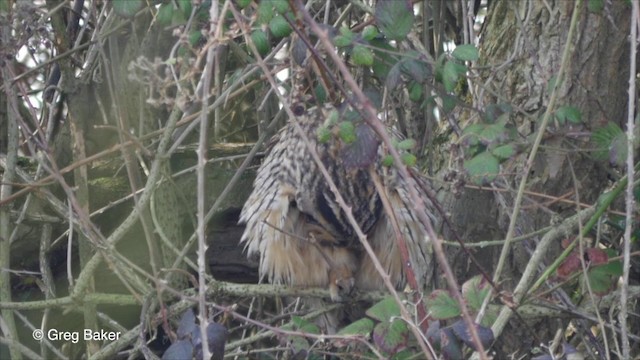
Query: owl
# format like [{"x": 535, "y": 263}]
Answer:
[{"x": 296, "y": 227}]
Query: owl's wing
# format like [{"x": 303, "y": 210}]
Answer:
[
  {"x": 383, "y": 240},
  {"x": 268, "y": 217},
  {"x": 280, "y": 233}
]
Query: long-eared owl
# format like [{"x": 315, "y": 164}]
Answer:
[{"x": 299, "y": 231}]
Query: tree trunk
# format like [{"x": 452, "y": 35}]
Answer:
[{"x": 520, "y": 53}]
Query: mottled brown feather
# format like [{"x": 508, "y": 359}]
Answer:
[{"x": 301, "y": 235}]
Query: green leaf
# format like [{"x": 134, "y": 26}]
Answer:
[
  {"x": 324, "y": 134},
  {"x": 127, "y": 8},
  {"x": 448, "y": 103},
  {"x": 362, "y": 327},
  {"x": 345, "y": 38},
  {"x": 441, "y": 305},
  {"x": 394, "y": 18},
  {"x": 387, "y": 160},
  {"x": 601, "y": 280},
  {"x": 185, "y": 7},
  {"x": 383, "y": 59},
  {"x": 490, "y": 316},
  {"x": 195, "y": 37},
  {"x": 474, "y": 291},
  {"x": 332, "y": 118},
  {"x": 474, "y": 129},
  {"x": 165, "y": 14},
  {"x": 347, "y": 132},
  {"x": 351, "y": 115},
  {"x": 595, "y": 6},
  {"x": 265, "y": 12},
  {"x": 341, "y": 41},
  {"x": 417, "y": 70},
  {"x": 471, "y": 134},
  {"x": 346, "y": 32},
  {"x": 495, "y": 111},
  {"x": 279, "y": 26},
  {"x": 259, "y": 39},
  {"x": 362, "y": 55},
  {"x": 281, "y": 6},
  {"x": 321, "y": 94},
  {"x": 452, "y": 70},
  {"x": 569, "y": 113},
  {"x": 408, "y": 159},
  {"x": 384, "y": 309},
  {"x": 391, "y": 336},
  {"x": 503, "y": 152},
  {"x": 305, "y": 325},
  {"x": 613, "y": 268},
  {"x": 415, "y": 92},
  {"x": 494, "y": 133},
  {"x": 405, "y": 354},
  {"x": 393, "y": 77},
  {"x": 407, "y": 144},
  {"x": 604, "y": 137},
  {"x": 465, "y": 52},
  {"x": 369, "y": 33},
  {"x": 482, "y": 168},
  {"x": 178, "y": 17},
  {"x": 298, "y": 344},
  {"x": 243, "y": 3},
  {"x": 618, "y": 150}
]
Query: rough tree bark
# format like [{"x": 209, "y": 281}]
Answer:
[{"x": 521, "y": 46}]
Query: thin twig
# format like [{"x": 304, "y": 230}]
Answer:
[
  {"x": 213, "y": 48},
  {"x": 630, "y": 203},
  {"x": 581, "y": 241},
  {"x": 6, "y": 188},
  {"x": 532, "y": 267}
]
